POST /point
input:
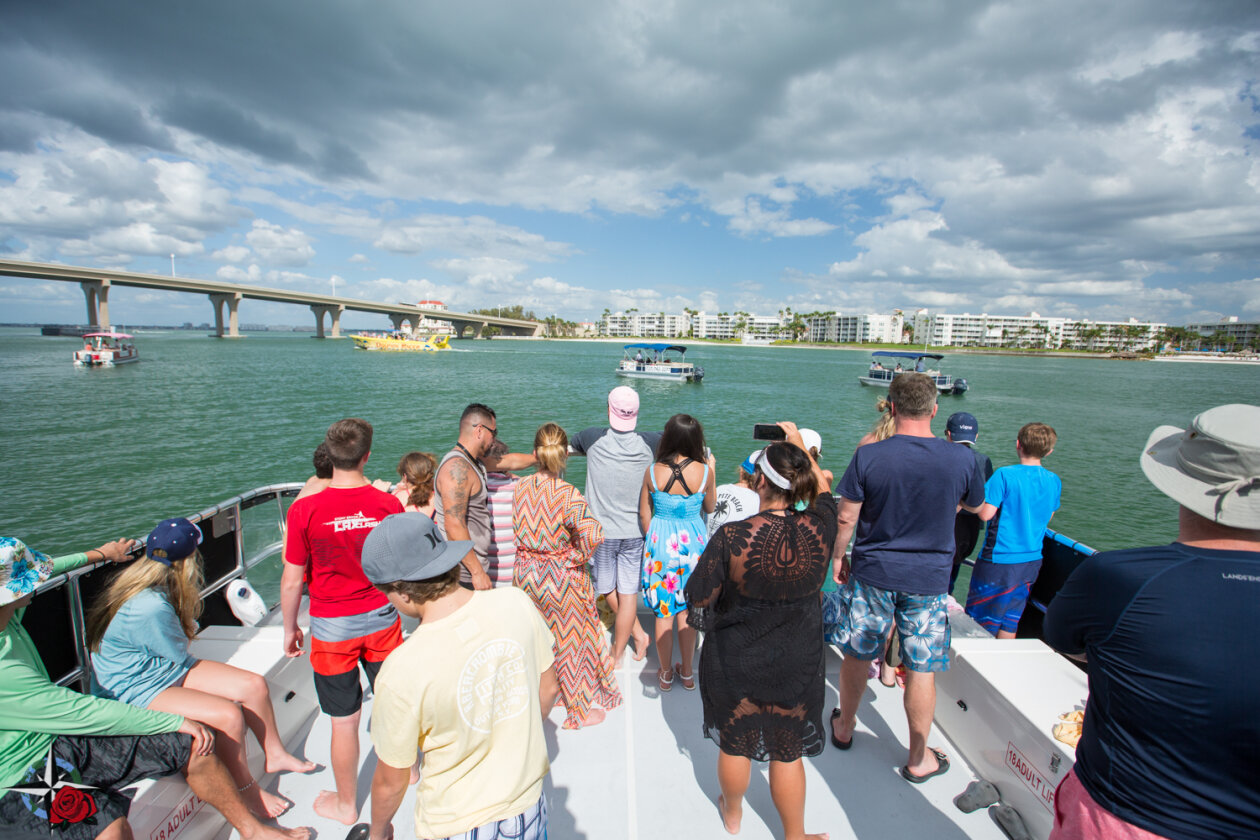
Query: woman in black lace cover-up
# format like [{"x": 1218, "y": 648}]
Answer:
[{"x": 755, "y": 594}]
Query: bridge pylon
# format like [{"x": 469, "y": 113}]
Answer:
[
  {"x": 233, "y": 300},
  {"x": 96, "y": 294}
]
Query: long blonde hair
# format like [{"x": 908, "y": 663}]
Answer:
[
  {"x": 180, "y": 582},
  {"x": 551, "y": 445},
  {"x": 884, "y": 426}
]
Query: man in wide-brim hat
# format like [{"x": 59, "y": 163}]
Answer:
[{"x": 1171, "y": 729}]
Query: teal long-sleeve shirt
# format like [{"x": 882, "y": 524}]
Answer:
[{"x": 34, "y": 711}]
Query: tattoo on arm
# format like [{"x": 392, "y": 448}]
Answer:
[{"x": 454, "y": 490}]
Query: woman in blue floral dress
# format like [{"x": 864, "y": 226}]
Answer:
[{"x": 672, "y": 515}]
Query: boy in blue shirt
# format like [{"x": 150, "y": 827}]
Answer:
[{"x": 1019, "y": 501}]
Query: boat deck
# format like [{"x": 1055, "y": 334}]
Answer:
[{"x": 647, "y": 771}]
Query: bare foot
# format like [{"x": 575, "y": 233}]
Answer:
[
  {"x": 594, "y": 716},
  {"x": 330, "y": 807},
  {"x": 641, "y": 648},
  {"x": 730, "y": 821},
  {"x": 288, "y": 763},
  {"x": 267, "y": 832},
  {"x": 823, "y": 836},
  {"x": 263, "y": 804}
]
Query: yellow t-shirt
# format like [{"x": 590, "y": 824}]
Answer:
[{"x": 463, "y": 691}]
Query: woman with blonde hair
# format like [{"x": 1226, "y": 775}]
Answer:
[
  {"x": 415, "y": 482},
  {"x": 138, "y": 632},
  {"x": 555, "y": 538}
]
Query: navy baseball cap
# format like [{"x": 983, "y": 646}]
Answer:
[
  {"x": 962, "y": 427},
  {"x": 171, "y": 540}
]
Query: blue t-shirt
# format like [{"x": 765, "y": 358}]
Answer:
[
  {"x": 143, "y": 652},
  {"x": 909, "y": 488},
  {"x": 1172, "y": 727},
  {"x": 1026, "y": 496}
]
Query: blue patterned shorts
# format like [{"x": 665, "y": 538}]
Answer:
[
  {"x": 866, "y": 615},
  {"x": 531, "y": 825}
]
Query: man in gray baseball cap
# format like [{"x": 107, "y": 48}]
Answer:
[
  {"x": 469, "y": 690},
  {"x": 1169, "y": 636}
]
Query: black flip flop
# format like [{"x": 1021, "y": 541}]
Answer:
[
  {"x": 836, "y": 742},
  {"x": 359, "y": 832},
  {"x": 943, "y": 766}
]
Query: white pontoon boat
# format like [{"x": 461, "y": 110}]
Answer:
[
  {"x": 103, "y": 349},
  {"x": 658, "y": 361},
  {"x": 888, "y": 364}
]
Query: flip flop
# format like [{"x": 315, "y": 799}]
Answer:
[
  {"x": 979, "y": 794},
  {"x": 359, "y": 832},
  {"x": 1008, "y": 819},
  {"x": 840, "y": 745},
  {"x": 943, "y": 766}
]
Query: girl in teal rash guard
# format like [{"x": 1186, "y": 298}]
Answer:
[{"x": 138, "y": 632}]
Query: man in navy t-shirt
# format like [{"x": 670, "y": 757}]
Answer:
[
  {"x": 1172, "y": 727},
  {"x": 901, "y": 495}
]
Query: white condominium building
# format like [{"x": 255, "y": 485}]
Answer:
[
  {"x": 1032, "y": 330},
  {"x": 1239, "y": 333},
  {"x": 855, "y": 329},
  {"x": 645, "y": 324}
]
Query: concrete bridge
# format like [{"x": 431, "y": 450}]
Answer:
[{"x": 96, "y": 284}]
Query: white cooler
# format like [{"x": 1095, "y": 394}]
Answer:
[{"x": 998, "y": 703}]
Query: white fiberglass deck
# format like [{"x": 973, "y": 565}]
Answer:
[{"x": 647, "y": 772}]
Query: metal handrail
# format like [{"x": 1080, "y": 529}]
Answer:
[{"x": 79, "y": 674}]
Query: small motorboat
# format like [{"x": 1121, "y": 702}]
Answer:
[
  {"x": 105, "y": 349},
  {"x": 658, "y": 361},
  {"x": 881, "y": 375}
]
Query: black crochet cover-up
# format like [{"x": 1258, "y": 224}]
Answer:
[{"x": 755, "y": 594}]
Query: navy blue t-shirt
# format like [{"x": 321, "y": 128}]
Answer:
[
  {"x": 1172, "y": 727},
  {"x": 909, "y": 488}
]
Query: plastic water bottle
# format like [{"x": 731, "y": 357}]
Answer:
[{"x": 246, "y": 604}]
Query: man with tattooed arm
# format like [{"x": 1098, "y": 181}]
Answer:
[{"x": 461, "y": 511}]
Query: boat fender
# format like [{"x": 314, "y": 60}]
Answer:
[{"x": 246, "y": 604}]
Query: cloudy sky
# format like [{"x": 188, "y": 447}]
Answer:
[{"x": 1074, "y": 158}]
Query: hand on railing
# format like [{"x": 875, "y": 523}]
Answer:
[{"x": 113, "y": 552}]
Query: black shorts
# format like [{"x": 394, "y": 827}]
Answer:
[{"x": 105, "y": 765}]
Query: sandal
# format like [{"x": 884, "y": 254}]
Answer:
[
  {"x": 836, "y": 742},
  {"x": 689, "y": 681},
  {"x": 665, "y": 684},
  {"x": 942, "y": 765}
]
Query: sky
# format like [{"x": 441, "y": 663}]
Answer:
[{"x": 1076, "y": 158}]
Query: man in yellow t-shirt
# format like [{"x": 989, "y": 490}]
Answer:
[{"x": 469, "y": 690}]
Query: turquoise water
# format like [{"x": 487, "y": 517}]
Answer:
[{"x": 95, "y": 454}]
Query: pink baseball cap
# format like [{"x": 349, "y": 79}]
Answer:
[{"x": 623, "y": 408}]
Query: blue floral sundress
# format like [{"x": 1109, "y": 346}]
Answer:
[{"x": 675, "y": 538}]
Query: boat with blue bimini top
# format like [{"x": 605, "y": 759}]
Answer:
[
  {"x": 658, "y": 361},
  {"x": 998, "y": 705},
  {"x": 881, "y": 375}
]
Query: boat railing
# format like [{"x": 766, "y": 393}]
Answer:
[{"x": 239, "y": 534}]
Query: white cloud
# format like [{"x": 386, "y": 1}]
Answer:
[
  {"x": 278, "y": 245},
  {"x": 232, "y": 254}
]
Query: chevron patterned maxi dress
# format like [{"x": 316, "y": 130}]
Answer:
[{"x": 555, "y": 538}]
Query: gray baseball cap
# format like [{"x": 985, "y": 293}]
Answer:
[{"x": 408, "y": 546}]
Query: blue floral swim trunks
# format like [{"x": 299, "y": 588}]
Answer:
[{"x": 866, "y": 615}]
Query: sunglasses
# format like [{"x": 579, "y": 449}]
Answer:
[{"x": 494, "y": 432}]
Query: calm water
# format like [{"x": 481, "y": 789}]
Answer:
[{"x": 96, "y": 454}]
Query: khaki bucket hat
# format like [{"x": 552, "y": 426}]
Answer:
[{"x": 1212, "y": 467}]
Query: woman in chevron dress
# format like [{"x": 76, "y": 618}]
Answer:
[{"x": 555, "y": 538}]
